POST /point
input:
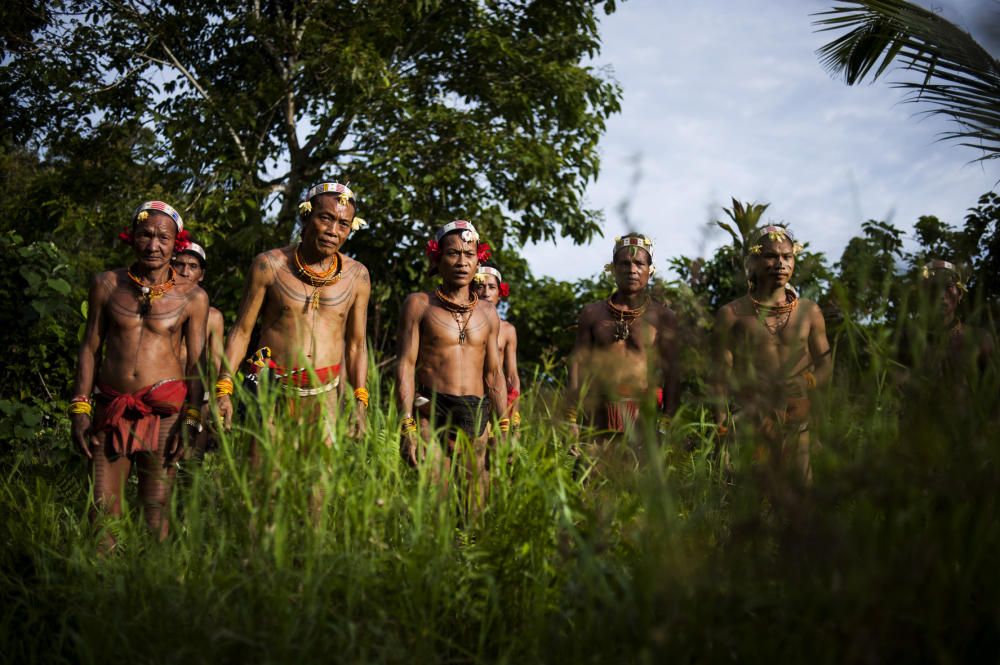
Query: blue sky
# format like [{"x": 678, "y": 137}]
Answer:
[{"x": 727, "y": 98}]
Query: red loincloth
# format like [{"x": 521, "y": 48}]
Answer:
[
  {"x": 134, "y": 419},
  {"x": 300, "y": 376},
  {"x": 625, "y": 411}
]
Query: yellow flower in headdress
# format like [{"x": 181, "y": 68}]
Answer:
[
  {"x": 358, "y": 223},
  {"x": 305, "y": 208},
  {"x": 925, "y": 272},
  {"x": 142, "y": 216},
  {"x": 647, "y": 242},
  {"x": 961, "y": 287},
  {"x": 756, "y": 249},
  {"x": 618, "y": 239},
  {"x": 797, "y": 247},
  {"x": 776, "y": 236},
  {"x": 344, "y": 200},
  {"x": 609, "y": 267},
  {"x": 479, "y": 277}
]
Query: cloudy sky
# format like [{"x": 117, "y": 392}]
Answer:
[{"x": 727, "y": 98}]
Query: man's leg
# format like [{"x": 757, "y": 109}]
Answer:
[
  {"x": 156, "y": 477},
  {"x": 109, "y": 474},
  {"x": 435, "y": 456}
]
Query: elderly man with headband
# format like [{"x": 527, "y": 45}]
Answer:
[
  {"x": 625, "y": 355},
  {"x": 450, "y": 382},
  {"x": 771, "y": 353},
  {"x": 312, "y": 303},
  {"x": 489, "y": 286},
  {"x": 130, "y": 387},
  {"x": 189, "y": 265}
]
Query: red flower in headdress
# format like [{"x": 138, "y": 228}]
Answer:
[
  {"x": 483, "y": 252},
  {"x": 504, "y": 289},
  {"x": 433, "y": 250},
  {"x": 126, "y": 235},
  {"x": 182, "y": 242}
]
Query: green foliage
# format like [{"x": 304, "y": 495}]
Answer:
[{"x": 955, "y": 75}]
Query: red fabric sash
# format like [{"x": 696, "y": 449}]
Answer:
[
  {"x": 134, "y": 419},
  {"x": 300, "y": 376},
  {"x": 626, "y": 411}
]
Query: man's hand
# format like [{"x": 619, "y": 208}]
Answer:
[
  {"x": 359, "y": 421},
  {"x": 81, "y": 432},
  {"x": 225, "y": 406},
  {"x": 408, "y": 447}
]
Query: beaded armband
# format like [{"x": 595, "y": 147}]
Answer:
[
  {"x": 80, "y": 404},
  {"x": 504, "y": 424},
  {"x": 361, "y": 394},
  {"x": 408, "y": 425},
  {"x": 224, "y": 386}
]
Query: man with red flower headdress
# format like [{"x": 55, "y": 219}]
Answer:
[
  {"x": 449, "y": 373},
  {"x": 618, "y": 342},
  {"x": 490, "y": 287},
  {"x": 130, "y": 385},
  {"x": 313, "y": 304}
]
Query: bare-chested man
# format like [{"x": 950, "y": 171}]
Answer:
[
  {"x": 313, "y": 305},
  {"x": 135, "y": 321},
  {"x": 489, "y": 286},
  {"x": 449, "y": 365},
  {"x": 626, "y": 349},
  {"x": 189, "y": 265},
  {"x": 771, "y": 350},
  {"x": 937, "y": 346}
]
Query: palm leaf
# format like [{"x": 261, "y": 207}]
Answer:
[{"x": 959, "y": 78}]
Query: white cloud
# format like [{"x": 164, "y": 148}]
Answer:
[{"x": 726, "y": 99}]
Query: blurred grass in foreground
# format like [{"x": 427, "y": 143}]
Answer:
[{"x": 891, "y": 555}]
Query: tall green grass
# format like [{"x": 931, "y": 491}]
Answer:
[{"x": 891, "y": 555}]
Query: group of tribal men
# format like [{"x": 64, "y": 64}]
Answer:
[{"x": 151, "y": 335}]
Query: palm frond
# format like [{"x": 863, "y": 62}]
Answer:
[{"x": 958, "y": 78}]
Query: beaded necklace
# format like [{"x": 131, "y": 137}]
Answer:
[
  {"x": 781, "y": 313},
  {"x": 316, "y": 279},
  {"x": 625, "y": 316},
  {"x": 147, "y": 294},
  {"x": 458, "y": 311}
]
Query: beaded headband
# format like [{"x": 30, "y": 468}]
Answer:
[
  {"x": 158, "y": 206},
  {"x": 469, "y": 233},
  {"x": 641, "y": 242},
  {"x": 776, "y": 234},
  {"x": 934, "y": 265},
  {"x": 197, "y": 250},
  {"x": 345, "y": 196},
  {"x": 487, "y": 270}
]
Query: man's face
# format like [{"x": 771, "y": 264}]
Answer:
[
  {"x": 327, "y": 227},
  {"x": 775, "y": 263},
  {"x": 188, "y": 268},
  {"x": 489, "y": 289},
  {"x": 631, "y": 268},
  {"x": 153, "y": 240},
  {"x": 458, "y": 262},
  {"x": 945, "y": 292}
]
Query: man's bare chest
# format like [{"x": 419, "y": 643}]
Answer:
[
  {"x": 440, "y": 326},
  {"x": 127, "y": 312},
  {"x": 293, "y": 298},
  {"x": 636, "y": 335}
]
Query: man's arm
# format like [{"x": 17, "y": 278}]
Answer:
[
  {"x": 261, "y": 276},
  {"x": 819, "y": 347},
  {"x": 669, "y": 361},
  {"x": 215, "y": 345},
  {"x": 408, "y": 349},
  {"x": 357, "y": 342},
  {"x": 88, "y": 357},
  {"x": 496, "y": 384},
  {"x": 510, "y": 362},
  {"x": 722, "y": 355},
  {"x": 581, "y": 350},
  {"x": 194, "y": 332}
]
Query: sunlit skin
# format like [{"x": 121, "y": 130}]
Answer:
[
  {"x": 190, "y": 273},
  {"x": 759, "y": 369},
  {"x": 128, "y": 351},
  {"x": 430, "y": 352},
  {"x": 488, "y": 288},
  {"x": 298, "y": 335},
  {"x": 637, "y": 365}
]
